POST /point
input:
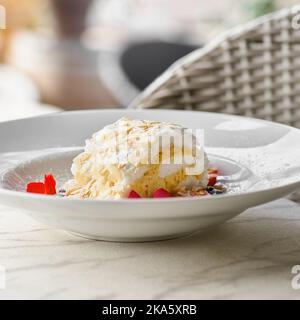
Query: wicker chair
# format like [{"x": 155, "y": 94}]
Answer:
[{"x": 252, "y": 70}]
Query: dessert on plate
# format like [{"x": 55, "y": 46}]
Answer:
[
  {"x": 134, "y": 158},
  {"x": 139, "y": 158}
]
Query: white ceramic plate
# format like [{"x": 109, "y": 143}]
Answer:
[{"x": 259, "y": 160}]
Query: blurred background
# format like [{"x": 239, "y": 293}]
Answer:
[{"x": 83, "y": 54}]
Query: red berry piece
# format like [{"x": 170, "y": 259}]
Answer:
[
  {"x": 213, "y": 171},
  {"x": 50, "y": 184},
  {"x": 35, "y": 187},
  {"x": 161, "y": 193},
  {"x": 133, "y": 195},
  {"x": 212, "y": 179}
]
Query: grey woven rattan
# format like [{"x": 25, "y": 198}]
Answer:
[{"x": 253, "y": 70}]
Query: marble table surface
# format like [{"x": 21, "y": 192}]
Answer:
[{"x": 251, "y": 256}]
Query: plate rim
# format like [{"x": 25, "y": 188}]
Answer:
[{"x": 126, "y": 110}]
